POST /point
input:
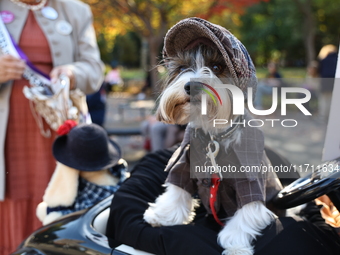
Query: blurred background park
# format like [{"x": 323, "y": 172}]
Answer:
[{"x": 288, "y": 32}]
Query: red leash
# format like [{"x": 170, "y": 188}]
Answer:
[{"x": 213, "y": 196}]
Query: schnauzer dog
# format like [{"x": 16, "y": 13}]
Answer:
[{"x": 199, "y": 56}]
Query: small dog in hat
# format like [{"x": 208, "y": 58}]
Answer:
[
  {"x": 89, "y": 169},
  {"x": 199, "y": 56}
]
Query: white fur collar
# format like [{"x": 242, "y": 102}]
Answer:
[{"x": 63, "y": 186}]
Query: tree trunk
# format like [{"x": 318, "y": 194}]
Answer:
[
  {"x": 309, "y": 25},
  {"x": 144, "y": 54}
]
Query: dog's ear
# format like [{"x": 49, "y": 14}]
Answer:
[{"x": 159, "y": 115}]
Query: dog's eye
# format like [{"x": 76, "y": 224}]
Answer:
[
  {"x": 217, "y": 69},
  {"x": 182, "y": 68}
]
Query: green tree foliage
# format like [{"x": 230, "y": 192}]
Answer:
[
  {"x": 327, "y": 14},
  {"x": 126, "y": 50},
  {"x": 278, "y": 30},
  {"x": 272, "y": 31},
  {"x": 151, "y": 19}
]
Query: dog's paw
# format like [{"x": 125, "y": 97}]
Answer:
[
  {"x": 51, "y": 217},
  {"x": 157, "y": 216},
  {"x": 41, "y": 211},
  {"x": 235, "y": 242},
  {"x": 174, "y": 207},
  {"x": 151, "y": 217},
  {"x": 238, "y": 250}
]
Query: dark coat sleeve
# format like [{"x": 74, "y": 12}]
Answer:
[
  {"x": 126, "y": 222},
  {"x": 126, "y": 225}
]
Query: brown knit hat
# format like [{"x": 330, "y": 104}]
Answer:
[{"x": 189, "y": 32}]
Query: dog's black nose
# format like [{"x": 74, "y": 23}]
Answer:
[
  {"x": 187, "y": 88},
  {"x": 193, "y": 87}
]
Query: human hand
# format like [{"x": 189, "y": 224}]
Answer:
[
  {"x": 62, "y": 70},
  {"x": 11, "y": 68}
]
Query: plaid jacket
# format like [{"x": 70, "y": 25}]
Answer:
[
  {"x": 89, "y": 193},
  {"x": 236, "y": 189}
]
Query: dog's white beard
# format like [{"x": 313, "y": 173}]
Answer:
[
  {"x": 241, "y": 229},
  {"x": 175, "y": 108},
  {"x": 214, "y": 111},
  {"x": 174, "y": 207},
  {"x": 174, "y": 102}
]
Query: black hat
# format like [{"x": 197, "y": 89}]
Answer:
[{"x": 86, "y": 147}]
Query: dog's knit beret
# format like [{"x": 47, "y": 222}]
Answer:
[{"x": 236, "y": 57}]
